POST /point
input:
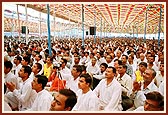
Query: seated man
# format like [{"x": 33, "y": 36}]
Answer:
[
  {"x": 154, "y": 102},
  {"x": 44, "y": 98},
  {"x": 87, "y": 99},
  {"x": 64, "y": 100}
]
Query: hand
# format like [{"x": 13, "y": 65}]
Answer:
[
  {"x": 136, "y": 86},
  {"x": 10, "y": 86}
]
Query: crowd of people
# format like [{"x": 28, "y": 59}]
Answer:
[{"x": 111, "y": 74}]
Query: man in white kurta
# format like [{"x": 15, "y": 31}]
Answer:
[
  {"x": 10, "y": 77},
  {"x": 86, "y": 98},
  {"x": 44, "y": 98},
  {"x": 73, "y": 82},
  {"x": 144, "y": 88},
  {"x": 124, "y": 79},
  {"x": 42, "y": 101},
  {"x": 109, "y": 92},
  {"x": 86, "y": 102},
  {"x": 25, "y": 96},
  {"x": 92, "y": 67}
]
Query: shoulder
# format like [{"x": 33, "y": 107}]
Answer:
[{"x": 141, "y": 108}]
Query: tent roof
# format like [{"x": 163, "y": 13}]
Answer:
[{"x": 112, "y": 17}]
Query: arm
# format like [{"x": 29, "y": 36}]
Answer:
[
  {"x": 24, "y": 94},
  {"x": 115, "y": 101}
]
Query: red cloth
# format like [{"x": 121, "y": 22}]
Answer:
[
  {"x": 57, "y": 84},
  {"x": 52, "y": 76}
]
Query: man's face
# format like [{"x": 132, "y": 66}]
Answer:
[
  {"x": 58, "y": 104},
  {"x": 35, "y": 84},
  {"x": 74, "y": 72},
  {"x": 93, "y": 61},
  {"x": 21, "y": 73},
  {"x": 108, "y": 58},
  {"x": 82, "y": 83},
  {"x": 109, "y": 73},
  {"x": 123, "y": 59},
  {"x": 102, "y": 68},
  {"x": 147, "y": 75},
  {"x": 34, "y": 68},
  {"x": 23, "y": 62},
  {"x": 142, "y": 68},
  {"x": 151, "y": 105},
  {"x": 121, "y": 70},
  {"x": 161, "y": 67}
]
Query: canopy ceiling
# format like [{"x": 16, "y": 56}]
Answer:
[{"x": 111, "y": 17}]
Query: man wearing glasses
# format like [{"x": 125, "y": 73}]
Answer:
[{"x": 154, "y": 102}]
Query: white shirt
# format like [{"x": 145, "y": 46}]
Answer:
[
  {"x": 109, "y": 95},
  {"x": 17, "y": 69},
  {"x": 10, "y": 77},
  {"x": 159, "y": 78},
  {"x": 26, "y": 95},
  {"x": 7, "y": 107},
  {"x": 86, "y": 102},
  {"x": 73, "y": 84},
  {"x": 155, "y": 67},
  {"x": 31, "y": 76},
  {"x": 140, "y": 97},
  {"x": 141, "y": 108},
  {"x": 42, "y": 101},
  {"x": 87, "y": 60},
  {"x": 100, "y": 75},
  {"x": 161, "y": 88},
  {"x": 66, "y": 74},
  {"x": 100, "y": 61},
  {"x": 126, "y": 82},
  {"x": 110, "y": 64},
  {"x": 92, "y": 69},
  {"x": 82, "y": 60}
]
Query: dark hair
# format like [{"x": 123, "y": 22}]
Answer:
[
  {"x": 156, "y": 96},
  {"x": 104, "y": 64},
  {"x": 123, "y": 65},
  {"x": 27, "y": 59},
  {"x": 119, "y": 61},
  {"x": 64, "y": 60},
  {"x": 39, "y": 56},
  {"x": 42, "y": 79},
  {"x": 18, "y": 58},
  {"x": 87, "y": 53},
  {"x": 39, "y": 66},
  {"x": 27, "y": 69},
  {"x": 114, "y": 69},
  {"x": 83, "y": 67},
  {"x": 127, "y": 103},
  {"x": 88, "y": 78},
  {"x": 78, "y": 68},
  {"x": 8, "y": 64},
  {"x": 76, "y": 53},
  {"x": 143, "y": 64},
  {"x": 51, "y": 58},
  {"x": 71, "y": 100},
  {"x": 125, "y": 56}
]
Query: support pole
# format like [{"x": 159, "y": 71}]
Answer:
[
  {"x": 101, "y": 30},
  {"x": 145, "y": 26},
  {"x": 83, "y": 26},
  {"x": 26, "y": 24},
  {"x": 18, "y": 21},
  {"x": 159, "y": 25},
  {"x": 48, "y": 24},
  {"x": 95, "y": 26}
]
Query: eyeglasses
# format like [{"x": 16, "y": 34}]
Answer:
[{"x": 152, "y": 106}]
